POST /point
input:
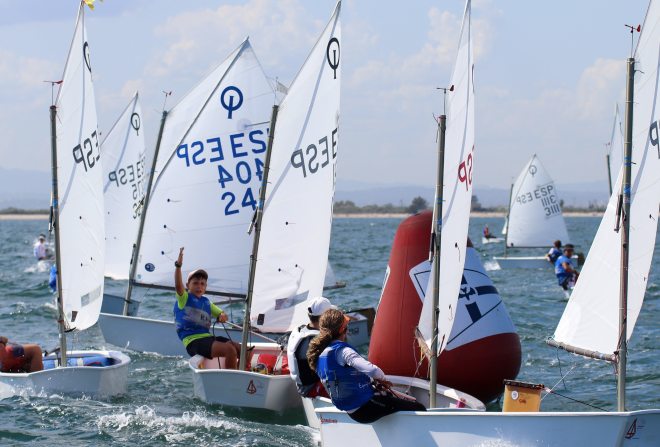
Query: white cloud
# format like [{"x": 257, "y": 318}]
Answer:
[
  {"x": 21, "y": 75},
  {"x": 203, "y": 38}
]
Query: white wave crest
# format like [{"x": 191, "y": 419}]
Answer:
[{"x": 492, "y": 265}]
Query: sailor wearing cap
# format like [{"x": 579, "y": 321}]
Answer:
[
  {"x": 307, "y": 381},
  {"x": 564, "y": 269},
  {"x": 193, "y": 313},
  {"x": 40, "y": 250}
]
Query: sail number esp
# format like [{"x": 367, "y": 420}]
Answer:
[
  {"x": 548, "y": 197},
  {"x": 312, "y": 165}
]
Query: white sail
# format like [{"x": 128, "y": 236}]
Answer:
[
  {"x": 207, "y": 177},
  {"x": 535, "y": 217},
  {"x": 124, "y": 183},
  {"x": 459, "y": 164},
  {"x": 591, "y": 318},
  {"x": 80, "y": 175},
  {"x": 295, "y": 230},
  {"x": 616, "y": 146}
]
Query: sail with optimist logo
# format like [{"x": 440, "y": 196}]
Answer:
[
  {"x": 206, "y": 181},
  {"x": 458, "y": 167},
  {"x": 124, "y": 184},
  {"x": 535, "y": 216},
  {"x": 297, "y": 216},
  {"x": 591, "y": 318},
  {"x": 79, "y": 205}
]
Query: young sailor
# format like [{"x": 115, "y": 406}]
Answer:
[
  {"x": 487, "y": 233},
  {"x": 193, "y": 312},
  {"x": 307, "y": 381},
  {"x": 347, "y": 376},
  {"x": 19, "y": 358},
  {"x": 40, "y": 250},
  {"x": 554, "y": 253},
  {"x": 566, "y": 274}
]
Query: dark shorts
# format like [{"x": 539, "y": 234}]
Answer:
[
  {"x": 202, "y": 346},
  {"x": 379, "y": 406},
  {"x": 567, "y": 283},
  {"x": 12, "y": 358}
]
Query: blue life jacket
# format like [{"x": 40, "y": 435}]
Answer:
[
  {"x": 555, "y": 253},
  {"x": 559, "y": 269},
  {"x": 194, "y": 318},
  {"x": 348, "y": 388},
  {"x": 52, "y": 279}
]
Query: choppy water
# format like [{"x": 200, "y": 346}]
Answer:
[{"x": 159, "y": 407}]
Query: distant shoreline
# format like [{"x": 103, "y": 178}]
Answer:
[{"x": 338, "y": 216}]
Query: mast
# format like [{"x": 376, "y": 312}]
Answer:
[
  {"x": 508, "y": 216},
  {"x": 436, "y": 239},
  {"x": 56, "y": 229},
  {"x": 256, "y": 224},
  {"x": 625, "y": 237},
  {"x": 145, "y": 204}
]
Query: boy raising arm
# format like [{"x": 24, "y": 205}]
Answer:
[{"x": 193, "y": 313}]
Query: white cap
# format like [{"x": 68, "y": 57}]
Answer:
[{"x": 318, "y": 306}]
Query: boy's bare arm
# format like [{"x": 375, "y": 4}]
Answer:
[{"x": 178, "y": 280}]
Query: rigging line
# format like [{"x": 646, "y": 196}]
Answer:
[
  {"x": 567, "y": 409},
  {"x": 581, "y": 402},
  {"x": 560, "y": 380}
]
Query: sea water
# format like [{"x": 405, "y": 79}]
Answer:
[{"x": 159, "y": 407}]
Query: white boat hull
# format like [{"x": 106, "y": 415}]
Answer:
[
  {"x": 459, "y": 428},
  {"x": 491, "y": 240},
  {"x": 87, "y": 380},
  {"x": 446, "y": 398},
  {"x": 526, "y": 262},
  {"x": 244, "y": 389},
  {"x": 147, "y": 335}
]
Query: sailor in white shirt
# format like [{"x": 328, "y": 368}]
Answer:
[{"x": 307, "y": 381}]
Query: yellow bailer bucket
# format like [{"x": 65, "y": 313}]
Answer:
[{"x": 522, "y": 396}]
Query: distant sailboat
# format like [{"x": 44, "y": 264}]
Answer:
[
  {"x": 124, "y": 183},
  {"x": 535, "y": 219},
  {"x": 78, "y": 226}
]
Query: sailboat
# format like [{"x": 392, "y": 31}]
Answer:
[
  {"x": 215, "y": 140},
  {"x": 535, "y": 219},
  {"x": 605, "y": 304},
  {"x": 614, "y": 155},
  {"x": 124, "y": 185},
  {"x": 291, "y": 228},
  {"x": 78, "y": 227}
]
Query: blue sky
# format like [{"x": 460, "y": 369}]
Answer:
[{"x": 547, "y": 74}]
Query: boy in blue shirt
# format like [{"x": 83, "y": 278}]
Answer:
[
  {"x": 554, "y": 253},
  {"x": 566, "y": 274},
  {"x": 193, "y": 313}
]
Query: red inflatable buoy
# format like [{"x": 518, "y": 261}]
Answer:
[{"x": 483, "y": 349}]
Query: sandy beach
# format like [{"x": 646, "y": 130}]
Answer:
[{"x": 24, "y": 216}]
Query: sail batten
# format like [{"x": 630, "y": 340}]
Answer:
[{"x": 591, "y": 318}]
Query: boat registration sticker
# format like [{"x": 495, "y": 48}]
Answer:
[{"x": 514, "y": 395}]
